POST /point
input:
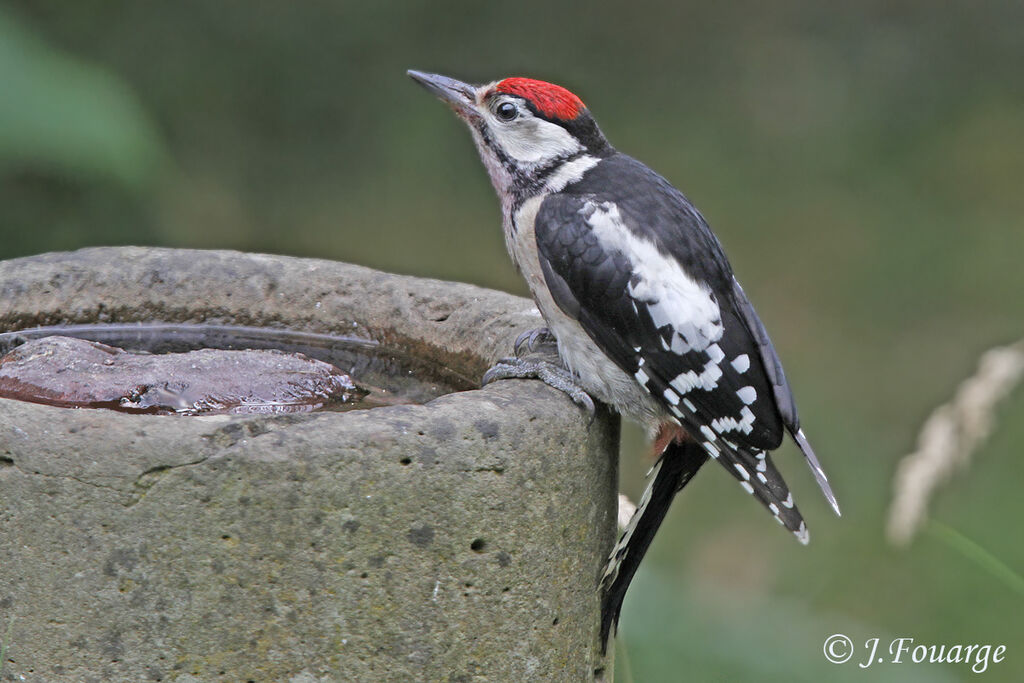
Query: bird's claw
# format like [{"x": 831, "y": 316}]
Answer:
[
  {"x": 499, "y": 370},
  {"x": 532, "y": 339},
  {"x": 551, "y": 373}
]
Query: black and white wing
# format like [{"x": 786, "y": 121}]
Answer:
[
  {"x": 627, "y": 256},
  {"x": 648, "y": 281}
]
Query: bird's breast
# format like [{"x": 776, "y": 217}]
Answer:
[{"x": 596, "y": 372}]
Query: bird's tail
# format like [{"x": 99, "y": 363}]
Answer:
[
  {"x": 819, "y": 474},
  {"x": 757, "y": 475},
  {"x": 675, "y": 467}
]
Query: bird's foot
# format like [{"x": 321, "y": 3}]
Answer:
[
  {"x": 547, "y": 369},
  {"x": 533, "y": 339}
]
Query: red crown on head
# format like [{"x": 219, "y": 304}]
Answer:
[{"x": 553, "y": 101}]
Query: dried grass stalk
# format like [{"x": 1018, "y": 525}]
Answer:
[
  {"x": 627, "y": 509},
  {"x": 950, "y": 436}
]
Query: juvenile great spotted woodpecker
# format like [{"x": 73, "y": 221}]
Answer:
[{"x": 640, "y": 300}]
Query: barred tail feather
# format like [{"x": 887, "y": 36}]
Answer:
[
  {"x": 819, "y": 474},
  {"x": 674, "y": 469}
]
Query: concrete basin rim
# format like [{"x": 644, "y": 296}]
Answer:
[{"x": 132, "y": 255}]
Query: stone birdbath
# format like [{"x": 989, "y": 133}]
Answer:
[{"x": 455, "y": 535}]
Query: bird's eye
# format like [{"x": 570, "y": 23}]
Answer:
[{"x": 506, "y": 111}]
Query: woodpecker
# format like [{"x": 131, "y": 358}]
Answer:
[{"x": 640, "y": 300}]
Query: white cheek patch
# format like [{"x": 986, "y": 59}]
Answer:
[
  {"x": 530, "y": 140},
  {"x": 570, "y": 172}
]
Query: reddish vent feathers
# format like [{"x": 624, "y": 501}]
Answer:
[{"x": 553, "y": 101}]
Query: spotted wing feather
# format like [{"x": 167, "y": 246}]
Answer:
[
  {"x": 638, "y": 268},
  {"x": 591, "y": 283},
  {"x": 597, "y": 285}
]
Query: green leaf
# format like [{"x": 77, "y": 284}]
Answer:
[{"x": 60, "y": 114}]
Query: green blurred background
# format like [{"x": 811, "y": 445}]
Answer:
[{"x": 862, "y": 163}]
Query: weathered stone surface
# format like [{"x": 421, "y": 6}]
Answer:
[
  {"x": 458, "y": 540},
  {"x": 75, "y": 373}
]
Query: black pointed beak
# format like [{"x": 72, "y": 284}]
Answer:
[{"x": 461, "y": 96}]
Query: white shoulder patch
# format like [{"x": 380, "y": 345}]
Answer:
[{"x": 671, "y": 296}]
